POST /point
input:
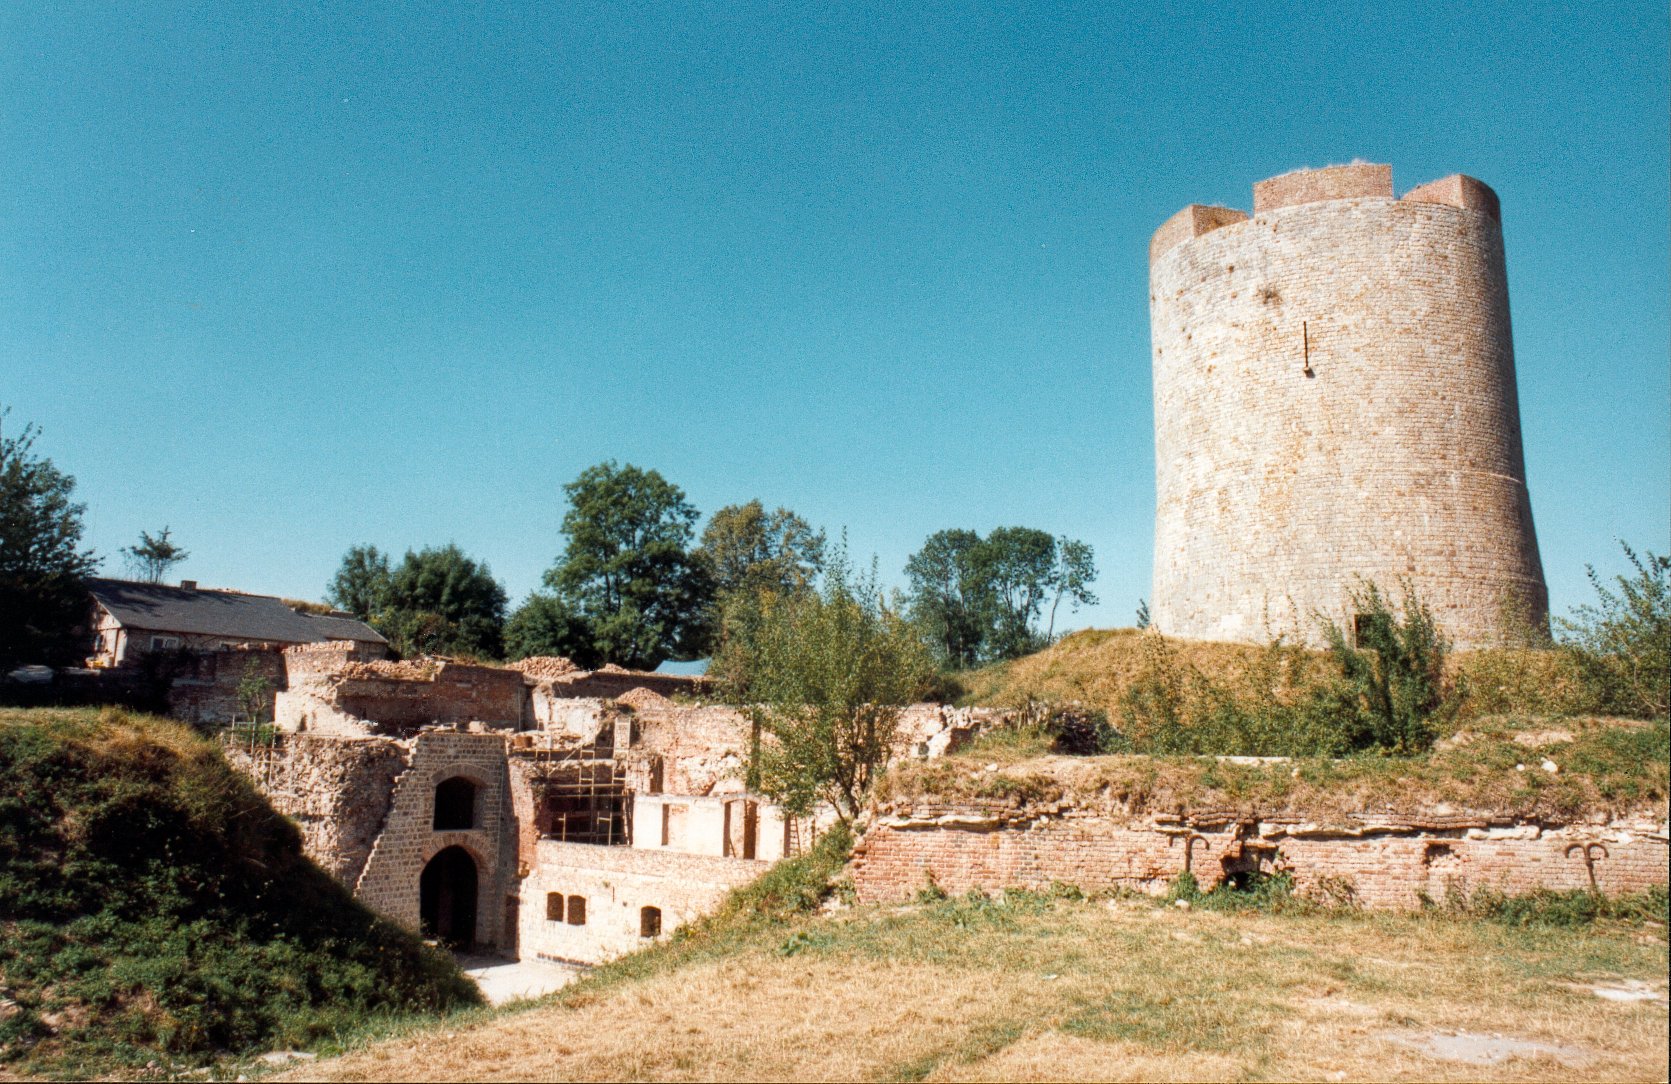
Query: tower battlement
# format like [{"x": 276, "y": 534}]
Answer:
[
  {"x": 1335, "y": 398},
  {"x": 1360, "y": 180}
]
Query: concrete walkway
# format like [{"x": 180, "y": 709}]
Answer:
[{"x": 503, "y": 981}]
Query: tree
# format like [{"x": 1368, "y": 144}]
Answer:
[
  {"x": 949, "y": 595},
  {"x": 443, "y": 602},
  {"x": 153, "y": 556},
  {"x": 1071, "y": 579},
  {"x": 1020, "y": 565},
  {"x": 980, "y": 600},
  {"x": 1623, "y": 640},
  {"x": 361, "y": 585},
  {"x": 750, "y": 555},
  {"x": 42, "y": 564},
  {"x": 627, "y": 570},
  {"x": 748, "y": 549},
  {"x": 544, "y": 625},
  {"x": 828, "y": 672}
]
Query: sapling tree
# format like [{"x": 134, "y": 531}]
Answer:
[{"x": 828, "y": 673}]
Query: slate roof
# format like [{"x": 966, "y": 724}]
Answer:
[{"x": 158, "y": 607}]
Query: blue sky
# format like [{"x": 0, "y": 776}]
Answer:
[{"x": 289, "y": 278}]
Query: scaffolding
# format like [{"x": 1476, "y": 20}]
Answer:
[{"x": 583, "y": 795}]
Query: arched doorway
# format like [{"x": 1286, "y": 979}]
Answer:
[{"x": 447, "y": 898}]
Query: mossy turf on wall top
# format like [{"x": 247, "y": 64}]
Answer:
[{"x": 153, "y": 907}]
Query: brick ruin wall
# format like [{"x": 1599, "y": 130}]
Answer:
[
  {"x": 336, "y": 790},
  {"x": 389, "y": 883},
  {"x": 1385, "y": 862},
  {"x": 1398, "y": 458},
  {"x": 616, "y": 884},
  {"x": 328, "y": 695},
  {"x": 205, "y": 691}
]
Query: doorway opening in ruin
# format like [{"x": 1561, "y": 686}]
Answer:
[
  {"x": 455, "y": 805},
  {"x": 447, "y": 898}
]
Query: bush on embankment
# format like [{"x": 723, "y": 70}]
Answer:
[{"x": 154, "y": 907}]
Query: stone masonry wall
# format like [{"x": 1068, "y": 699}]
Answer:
[
  {"x": 1386, "y": 863},
  {"x": 409, "y": 840},
  {"x": 1397, "y": 457},
  {"x": 337, "y": 790}
]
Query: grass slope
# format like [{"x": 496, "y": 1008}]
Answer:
[
  {"x": 153, "y": 907},
  {"x": 1097, "y": 666},
  {"x": 1048, "y": 987}
]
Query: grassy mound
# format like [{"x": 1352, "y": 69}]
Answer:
[
  {"x": 1100, "y": 667},
  {"x": 154, "y": 907}
]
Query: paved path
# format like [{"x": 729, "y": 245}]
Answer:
[{"x": 504, "y": 981}]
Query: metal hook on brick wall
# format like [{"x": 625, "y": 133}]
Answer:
[{"x": 1589, "y": 851}]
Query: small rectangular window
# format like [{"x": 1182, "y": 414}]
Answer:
[
  {"x": 554, "y": 907},
  {"x": 164, "y": 643},
  {"x": 577, "y": 910},
  {"x": 649, "y": 922}
]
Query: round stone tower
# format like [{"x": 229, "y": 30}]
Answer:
[{"x": 1335, "y": 400}]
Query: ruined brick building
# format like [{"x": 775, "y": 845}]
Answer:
[
  {"x": 1335, "y": 398},
  {"x": 537, "y": 809}
]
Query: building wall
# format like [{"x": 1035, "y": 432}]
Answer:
[
  {"x": 617, "y": 883},
  {"x": 336, "y": 790},
  {"x": 1397, "y": 458},
  {"x": 205, "y": 691},
  {"x": 408, "y": 840},
  {"x": 1381, "y": 864},
  {"x": 329, "y": 694}
]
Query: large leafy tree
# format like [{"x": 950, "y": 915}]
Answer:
[
  {"x": 828, "y": 671},
  {"x": 42, "y": 564},
  {"x": 949, "y": 595},
  {"x": 1020, "y": 565},
  {"x": 545, "y": 625},
  {"x": 748, "y": 549},
  {"x": 437, "y": 601},
  {"x": 982, "y": 599},
  {"x": 443, "y": 602},
  {"x": 361, "y": 585},
  {"x": 753, "y": 556},
  {"x": 628, "y": 572}
]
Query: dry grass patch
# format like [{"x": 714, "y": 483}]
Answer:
[{"x": 1033, "y": 988}]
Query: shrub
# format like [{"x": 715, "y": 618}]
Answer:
[
  {"x": 1392, "y": 687},
  {"x": 1387, "y": 693},
  {"x": 1622, "y": 642}
]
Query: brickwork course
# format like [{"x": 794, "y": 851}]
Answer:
[
  {"x": 1392, "y": 861},
  {"x": 1335, "y": 399}
]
